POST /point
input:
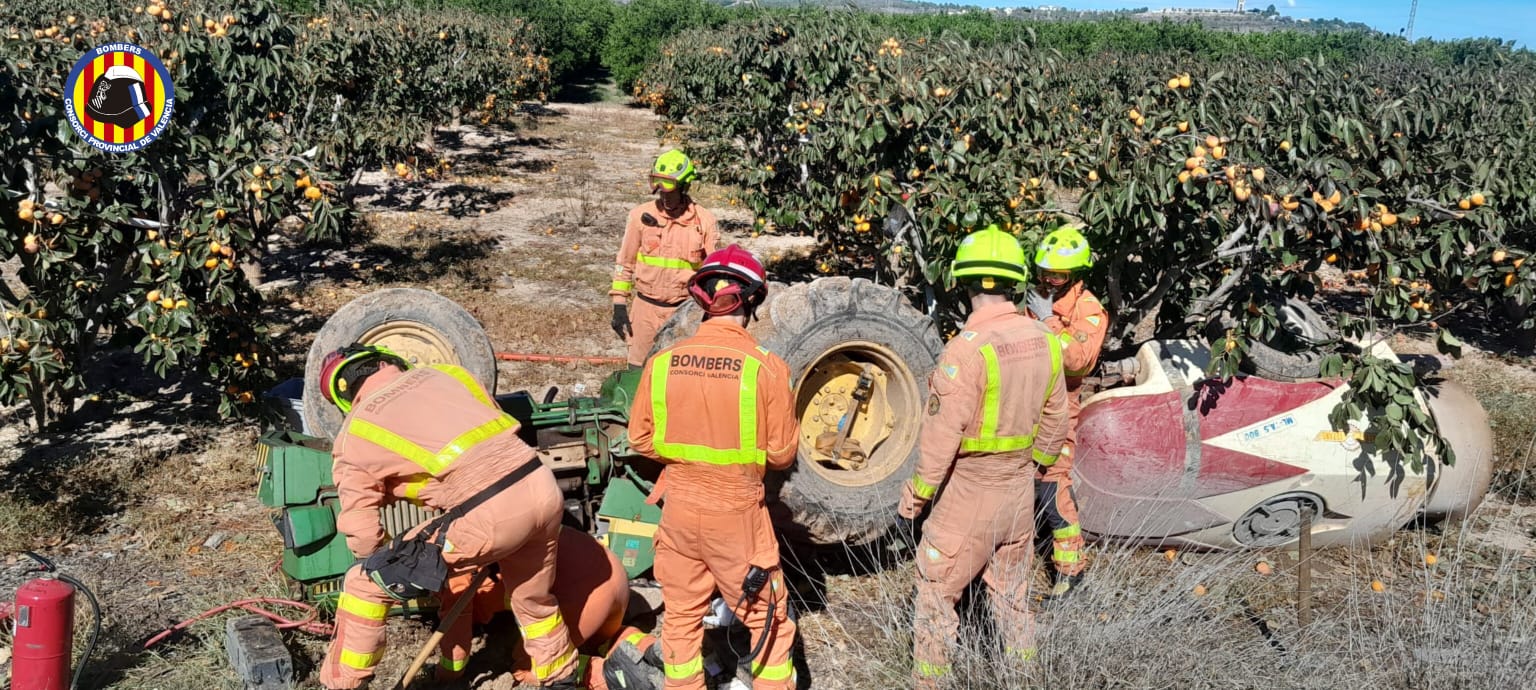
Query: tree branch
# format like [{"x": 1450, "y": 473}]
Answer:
[{"x": 1201, "y": 307}]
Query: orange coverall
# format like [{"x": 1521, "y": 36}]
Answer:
[
  {"x": 1079, "y": 322},
  {"x": 656, "y": 263},
  {"x": 593, "y": 590},
  {"x": 718, "y": 410},
  {"x": 434, "y": 436},
  {"x": 997, "y": 406}
]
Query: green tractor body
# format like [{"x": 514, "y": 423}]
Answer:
[{"x": 583, "y": 439}]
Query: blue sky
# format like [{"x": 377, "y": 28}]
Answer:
[{"x": 1506, "y": 19}]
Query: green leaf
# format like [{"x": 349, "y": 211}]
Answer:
[{"x": 1447, "y": 343}]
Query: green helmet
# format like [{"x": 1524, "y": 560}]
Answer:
[
  {"x": 673, "y": 168},
  {"x": 989, "y": 254},
  {"x": 342, "y": 371},
  {"x": 1064, "y": 249}
]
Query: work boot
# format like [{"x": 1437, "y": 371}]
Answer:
[
  {"x": 624, "y": 671},
  {"x": 570, "y": 682},
  {"x": 1064, "y": 586}
]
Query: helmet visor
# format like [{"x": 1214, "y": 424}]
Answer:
[{"x": 665, "y": 184}]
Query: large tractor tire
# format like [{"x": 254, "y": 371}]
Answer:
[
  {"x": 827, "y": 331},
  {"x": 419, "y": 325}
]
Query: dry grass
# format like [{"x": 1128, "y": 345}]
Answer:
[
  {"x": 1463, "y": 622},
  {"x": 1508, "y": 393}
]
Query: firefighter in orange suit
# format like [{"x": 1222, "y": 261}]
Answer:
[
  {"x": 717, "y": 409},
  {"x": 997, "y": 407},
  {"x": 593, "y": 590},
  {"x": 664, "y": 242},
  {"x": 432, "y": 435},
  {"x": 1079, "y": 321}
]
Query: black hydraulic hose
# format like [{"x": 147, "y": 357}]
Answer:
[{"x": 90, "y": 646}]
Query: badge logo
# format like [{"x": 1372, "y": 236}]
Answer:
[{"x": 119, "y": 97}]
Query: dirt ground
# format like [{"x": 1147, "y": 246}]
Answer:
[{"x": 152, "y": 501}]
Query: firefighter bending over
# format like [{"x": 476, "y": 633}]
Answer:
[{"x": 435, "y": 437}]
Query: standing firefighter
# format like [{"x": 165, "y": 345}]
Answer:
[
  {"x": 997, "y": 407},
  {"x": 434, "y": 437},
  {"x": 1079, "y": 321},
  {"x": 664, "y": 242},
  {"x": 717, "y": 409}
]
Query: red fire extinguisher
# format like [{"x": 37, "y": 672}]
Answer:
[{"x": 44, "y": 614}]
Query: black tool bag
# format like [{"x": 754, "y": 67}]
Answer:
[{"x": 414, "y": 568}]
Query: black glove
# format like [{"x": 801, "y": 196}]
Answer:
[
  {"x": 906, "y": 535},
  {"x": 621, "y": 321}
]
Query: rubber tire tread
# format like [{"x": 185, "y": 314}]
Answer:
[
  {"x": 798, "y": 323},
  {"x": 471, "y": 345}
]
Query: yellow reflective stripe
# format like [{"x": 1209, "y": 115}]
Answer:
[
  {"x": 1045, "y": 459},
  {"x": 775, "y": 672},
  {"x": 635, "y": 638},
  {"x": 986, "y": 439},
  {"x": 664, "y": 262},
  {"x": 474, "y": 437},
  {"x": 713, "y": 456},
  {"x": 362, "y": 608},
  {"x": 453, "y": 665},
  {"x": 928, "y": 670},
  {"x": 358, "y": 660},
  {"x": 540, "y": 628},
  {"x": 1065, "y": 556},
  {"x": 433, "y": 463},
  {"x": 922, "y": 489},
  {"x": 991, "y": 401},
  {"x": 394, "y": 443},
  {"x": 746, "y": 406},
  {"x": 413, "y": 488},
  {"x": 544, "y": 671},
  {"x": 746, "y": 452},
  {"x": 685, "y": 670},
  {"x": 1067, "y": 532},
  {"x": 999, "y": 444},
  {"x": 1055, "y": 348},
  {"x": 622, "y": 286},
  {"x": 468, "y": 381}
]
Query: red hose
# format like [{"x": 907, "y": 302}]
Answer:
[
  {"x": 309, "y": 623},
  {"x": 558, "y": 359}
]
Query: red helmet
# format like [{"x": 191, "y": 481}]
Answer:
[{"x": 727, "y": 279}]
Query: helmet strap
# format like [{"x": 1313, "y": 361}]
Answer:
[{"x": 355, "y": 374}]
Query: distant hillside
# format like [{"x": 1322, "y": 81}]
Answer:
[{"x": 1256, "y": 20}]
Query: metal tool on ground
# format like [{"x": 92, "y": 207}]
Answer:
[
  {"x": 861, "y": 393},
  {"x": 560, "y": 359},
  {"x": 446, "y": 622}
]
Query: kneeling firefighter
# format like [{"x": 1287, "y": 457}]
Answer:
[
  {"x": 716, "y": 408},
  {"x": 997, "y": 407},
  {"x": 434, "y": 436},
  {"x": 593, "y": 590}
]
